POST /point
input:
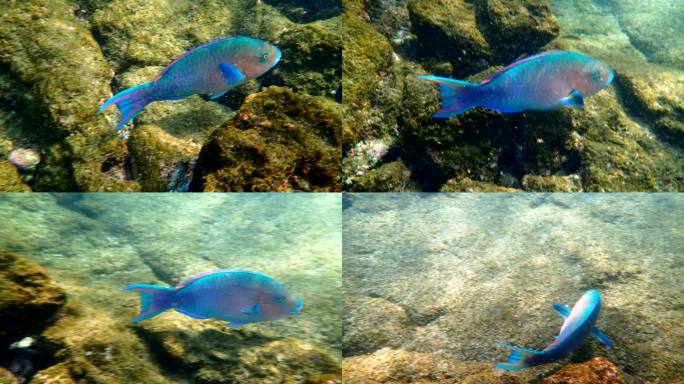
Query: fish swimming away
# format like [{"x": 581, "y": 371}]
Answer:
[
  {"x": 579, "y": 323},
  {"x": 547, "y": 81},
  {"x": 236, "y": 296},
  {"x": 211, "y": 69}
]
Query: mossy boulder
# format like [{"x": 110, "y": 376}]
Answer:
[
  {"x": 595, "y": 371},
  {"x": 389, "y": 177},
  {"x": 305, "y": 11},
  {"x": 278, "y": 141},
  {"x": 53, "y": 54},
  {"x": 537, "y": 183},
  {"x": 312, "y": 59},
  {"x": 367, "y": 53},
  {"x": 29, "y": 298},
  {"x": 210, "y": 352},
  {"x": 466, "y": 184},
  {"x": 516, "y": 27},
  {"x": 160, "y": 161},
  {"x": 447, "y": 29},
  {"x": 10, "y": 181}
]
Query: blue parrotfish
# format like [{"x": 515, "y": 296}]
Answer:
[
  {"x": 236, "y": 296},
  {"x": 579, "y": 323},
  {"x": 547, "y": 81},
  {"x": 210, "y": 69}
]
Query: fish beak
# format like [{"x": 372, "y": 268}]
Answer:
[
  {"x": 610, "y": 78},
  {"x": 278, "y": 55},
  {"x": 299, "y": 304}
]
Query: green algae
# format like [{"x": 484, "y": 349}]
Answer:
[
  {"x": 278, "y": 141},
  {"x": 10, "y": 181},
  {"x": 466, "y": 184},
  {"x": 389, "y": 177}
]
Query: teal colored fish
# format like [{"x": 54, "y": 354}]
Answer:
[
  {"x": 549, "y": 80},
  {"x": 211, "y": 69},
  {"x": 238, "y": 297}
]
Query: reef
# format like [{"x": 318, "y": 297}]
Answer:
[
  {"x": 60, "y": 60},
  {"x": 627, "y": 138}
]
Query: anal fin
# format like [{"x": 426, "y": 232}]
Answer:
[
  {"x": 597, "y": 333},
  {"x": 190, "y": 314}
]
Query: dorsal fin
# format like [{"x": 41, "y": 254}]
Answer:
[
  {"x": 515, "y": 64},
  {"x": 197, "y": 48}
]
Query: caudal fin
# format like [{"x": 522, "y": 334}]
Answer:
[
  {"x": 457, "y": 96},
  {"x": 517, "y": 359},
  {"x": 153, "y": 300},
  {"x": 130, "y": 102}
]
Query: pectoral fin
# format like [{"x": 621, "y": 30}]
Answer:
[
  {"x": 256, "y": 308},
  {"x": 574, "y": 99},
  {"x": 597, "y": 333},
  {"x": 232, "y": 75},
  {"x": 562, "y": 310},
  {"x": 217, "y": 95}
]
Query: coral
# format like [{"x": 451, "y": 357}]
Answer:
[
  {"x": 278, "y": 141},
  {"x": 595, "y": 371},
  {"x": 28, "y": 298}
]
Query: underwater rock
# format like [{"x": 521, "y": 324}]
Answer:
[
  {"x": 517, "y": 27},
  {"x": 372, "y": 323},
  {"x": 278, "y": 141},
  {"x": 28, "y": 298},
  {"x": 6, "y": 377},
  {"x": 447, "y": 30},
  {"x": 536, "y": 183},
  {"x": 25, "y": 159},
  {"x": 210, "y": 352},
  {"x": 304, "y": 11},
  {"x": 595, "y": 371},
  {"x": 389, "y": 177},
  {"x": 161, "y": 162},
  {"x": 403, "y": 367},
  {"x": 92, "y": 347},
  {"x": 466, "y": 184},
  {"x": 10, "y": 181},
  {"x": 50, "y": 51},
  {"x": 312, "y": 59},
  {"x": 367, "y": 54}
]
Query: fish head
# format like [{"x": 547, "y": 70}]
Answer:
[
  {"x": 594, "y": 77},
  {"x": 282, "y": 304},
  {"x": 255, "y": 57}
]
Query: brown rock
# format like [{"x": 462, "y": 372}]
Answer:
[
  {"x": 595, "y": 371},
  {"x": 28, "y": 297}
]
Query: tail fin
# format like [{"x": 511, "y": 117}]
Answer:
[
  {"x": 153, "y": 300},
  {"x": 456, "y": 96},
  {"x": 517, "y": 359},
  {"x": 130, "y": 102}
]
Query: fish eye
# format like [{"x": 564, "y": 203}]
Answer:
[
  {"x": 263, "y": 58},
  {"x": 595, "y": 75}
]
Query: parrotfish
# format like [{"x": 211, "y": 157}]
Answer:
[
  {"x": 211, "y": 69},
  {"x": 579, "y": 323},
  {"x": 549, "y": 80},
  {"x": 236, "y": 296}
]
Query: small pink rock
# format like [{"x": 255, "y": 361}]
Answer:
[{"x": 25, "y": 159}]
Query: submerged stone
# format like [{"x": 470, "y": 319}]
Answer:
[
  {"x": 595, "y": 371},
  {"x": 278, "y": 141},
  {"x": 10, "y": 180}
]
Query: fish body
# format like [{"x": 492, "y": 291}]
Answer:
[
  {"x": 211, "y": 69},
  {"x": 579, "y": 323},
  {"x": 236, "y": 296},
  {"x": 547, "y": 81}
]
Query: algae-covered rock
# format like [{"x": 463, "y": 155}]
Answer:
[
  {"x": 210, "y": 352},
  {"x": 312, "y": 58},
  {"x": 50, "y": 51},
  {"x": 304, "y": 11},
  {"x": 403, "y": 367},
  {"x": 447, "y": 29},
  {"x": 28, "y": 298},
  {"x": 372, "y": 323},
  {"x": 160, "y": 161},
  {"x": 537, "y": 183},
  {"x": 595, "y": 371},
  {"x": 466, "y": 184},
  {"x": 10, "y": 181},
  {"x": 516, "y": 27},
  {"x": 92, "y": 347},
  {"x": 366, "y": 54},
  {"x": 390, "y": 177},
  {"x": 278, "y": 141}
]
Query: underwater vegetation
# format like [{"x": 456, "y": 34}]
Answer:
[
  {"x": 61, "y": 59},
  {"x": 628, "y": 137},
  {"x": 64, "y": 317},
  {"x": 432, "y": 282}
]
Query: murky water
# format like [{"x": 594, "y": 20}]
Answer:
[{"x": 453, "y": 274}]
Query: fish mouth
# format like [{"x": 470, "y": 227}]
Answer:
[
  {"x": 279, "y": 54},
  {"x": 299, "y": 304}
]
